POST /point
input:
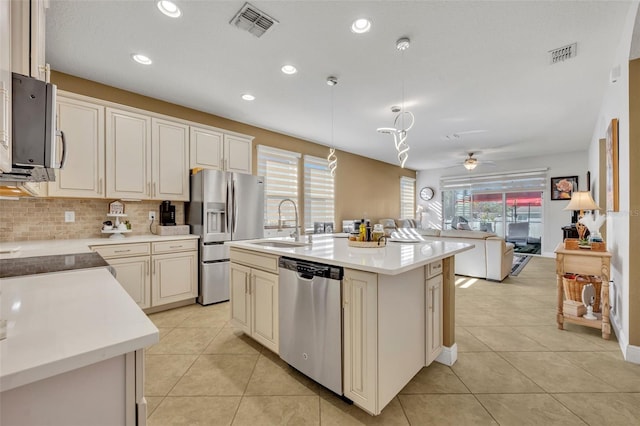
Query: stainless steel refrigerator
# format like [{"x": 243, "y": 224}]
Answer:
[{"x": 224, "y": 206}]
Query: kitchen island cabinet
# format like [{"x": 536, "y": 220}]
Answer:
[
  {"x": 66, "y": 361},
  {"x": 253, "y": 282},
  {"x": 398, "y": 310}
]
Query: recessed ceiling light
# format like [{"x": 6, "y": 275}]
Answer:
[
  {"x": 141, "y": 59},
  {"x": 248, "y": 97},
  {"x": 289, "y": 69},
  {"x": 361, "y": 25},
  {"x": 169, "y": 8}
]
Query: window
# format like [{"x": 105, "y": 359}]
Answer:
[
  {"x": 280, "y": 171},
  {"x": 318, "y": 193},
  {"x": 407, "y": 198},
  {"x": 495, "y": 202}
]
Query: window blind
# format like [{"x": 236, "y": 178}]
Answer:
[
  {"x": 319, "y": 195},
  {"x": 407, "y": 197},
  {"x": 526, "y": 180},
  {"x": 280, "y": 171}
]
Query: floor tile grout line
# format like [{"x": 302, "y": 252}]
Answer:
[
  {"x": 485, "y": 408},
  {"x": 404, "y": 412},
  {"x": 552, "y": 395},
  {"x": 233, "y": 419}
]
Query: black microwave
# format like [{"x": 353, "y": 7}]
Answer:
[{"x": 34, "y": 134}]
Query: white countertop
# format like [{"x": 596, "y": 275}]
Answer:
[
  {"x": 395, "y": 258},
  {"x": 18, "y": 249},
  {"x": 63, "y": 321}
]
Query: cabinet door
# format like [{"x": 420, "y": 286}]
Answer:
[
  {"x": 264, "y": 308},
  {"x": 174, "y": 277},
  {"x": 360, "y": 350},
  {"x": 434, "y": 318},
  {"x": 39, "y": 67},
  {"x": 206, "y": 148},
  {"x": 134, "y": 274},
  {"x": 83, "y": 127},
  {"x": 5, "y": 86},
  {"x": 239, "y": 282},
  {"x": 237, "y": 154},
  {"x": 170, "y": 165},
  {"x": 128, "y": 155}
]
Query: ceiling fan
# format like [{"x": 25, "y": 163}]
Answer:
[{"x": 472, "y": 162}]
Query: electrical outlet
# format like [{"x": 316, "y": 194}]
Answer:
[
  {"x": 69, "y": 216},
  {"x": 152, "y": 215}
]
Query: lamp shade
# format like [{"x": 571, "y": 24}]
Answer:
[{"x": 581, "y": 200}]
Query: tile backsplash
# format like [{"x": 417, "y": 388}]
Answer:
[{"x": 43, "y": 218}]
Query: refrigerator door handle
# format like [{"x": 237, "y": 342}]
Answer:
[
  {"x": 235, "y": 208},
  {"x": 228, "y": 209}
]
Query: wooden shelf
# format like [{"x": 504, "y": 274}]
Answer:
[{"x": 585, "y": 262}]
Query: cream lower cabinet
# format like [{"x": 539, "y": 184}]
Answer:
[
  {"x": 155, "y": 274},
  {"x": 175, "y": 278},
  {"x": 83, "y": 126},
  {"x": 360, "y": 333},
  {"x": 434, "y": 318},
  {"x": 133, "y": 273},
  {"x": 254, "y": 296}
]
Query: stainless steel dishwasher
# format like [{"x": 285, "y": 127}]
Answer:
[{"x": 310, "y": 305}]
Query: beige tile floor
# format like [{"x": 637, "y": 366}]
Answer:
[{"x": 514, "y": 368}]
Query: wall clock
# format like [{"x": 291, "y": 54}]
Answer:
[{"x": 426, "y": 193}]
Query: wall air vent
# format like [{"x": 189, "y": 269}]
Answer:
[
  {"x": 563, "y": 53},
  {"x": 250, "y": 18}
]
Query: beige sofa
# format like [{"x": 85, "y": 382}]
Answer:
[{"x": 490, "y": 259}]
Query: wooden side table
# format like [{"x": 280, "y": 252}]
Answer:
[{"x": 585, "y": 262}]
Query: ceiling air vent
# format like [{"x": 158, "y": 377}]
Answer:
[
  {"x": 563, "y": 53},
  {"x": 253, "y": 20}
]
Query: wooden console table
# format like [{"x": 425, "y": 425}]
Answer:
[{"x": 585, "y": 262}]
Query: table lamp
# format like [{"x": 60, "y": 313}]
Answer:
[{"x": 581, "y": 201}]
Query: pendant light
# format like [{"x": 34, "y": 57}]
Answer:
[
  {"x": 405, "y": 120},
  {"x": 331, "y": 158}
]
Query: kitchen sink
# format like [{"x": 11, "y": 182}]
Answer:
[{"x": 281, "y": 244}]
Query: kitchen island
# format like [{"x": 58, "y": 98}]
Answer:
[
  {"x": 73, "y": 352},
  {"x": 397, "y": 307}
]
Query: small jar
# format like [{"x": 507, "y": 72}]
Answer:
[
  {"x": 353, "y": 236},
  {"x": 378, "y": 231}
]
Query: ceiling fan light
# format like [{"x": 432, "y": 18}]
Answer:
[{"x": 470, "y": 163}]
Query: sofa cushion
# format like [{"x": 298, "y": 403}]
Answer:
[
  {"x": 405, "y": 223},
  {"x": 429, "y": 232},
  {"x": 458, "y": 233},
  {"x": 387, "y": 223}
]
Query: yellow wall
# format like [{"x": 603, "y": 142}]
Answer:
[
  {"x": 634, "y": 202},
  {"x": 364, "y": 187}
]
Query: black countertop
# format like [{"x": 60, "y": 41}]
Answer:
[{"x": 45, "y": 264}]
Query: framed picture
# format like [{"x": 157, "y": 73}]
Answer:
[
  {"x": 563, "y": 187},
  {"x": 612, "y": 167}
]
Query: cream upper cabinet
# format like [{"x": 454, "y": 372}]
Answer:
[
  {"x": 213, "y": 149},
  {"x": 28, "y": 38},
  {"x": 128, "y": 155},
  {"x": 83, "y": 174},
  {"x": 5, "y": 86},
  {"x": 237, "y": 154},
  {"x": 206, "y": 148},
  {"x": 170, "y": 160}
]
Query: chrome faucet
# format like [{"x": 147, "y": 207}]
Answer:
[{"x": 294, "y": 234}]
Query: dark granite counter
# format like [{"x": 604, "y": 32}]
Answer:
[{"x": 46, "y": 264}]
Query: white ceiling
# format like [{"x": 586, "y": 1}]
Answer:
[{"x": 478, "y": 65}]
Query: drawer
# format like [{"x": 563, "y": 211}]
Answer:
[
  {"x": 173, "y": 246},
  {"x": 265, "y": 262},
  {"x": 122, "y": 250},
  {"x": 434, "y": 268}
]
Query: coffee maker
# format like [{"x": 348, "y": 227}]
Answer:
[{"x": 167, "y": 214}]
